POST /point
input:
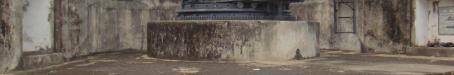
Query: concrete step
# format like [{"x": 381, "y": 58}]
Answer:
[
  {"x": 431, "y": 51},
  {"x": 31, "y": 60}
]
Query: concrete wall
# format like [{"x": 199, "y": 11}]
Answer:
[
  {"x": 81, "y": 27},
  {"x": 37, "y": 29},
  {"x": 89, "y": 26},
  {"x": 10, "y": 28},
  {"x": 382, "y": 25},
  {"x": 386, "y": 25},
  {"x": 422, "y": 22},
  {"x": 427, "y": 29},
  {"x": 233, "y": 40},
  {"x": 317, "y": 11}
]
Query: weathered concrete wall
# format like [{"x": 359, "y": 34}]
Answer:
[
  {"x": 428, "y": 25},
  {"x": 382, "y": 25},
  {"x": 386, "y": 25},
  {"x": 5, "y": 30},
  {"x": 10, "y": 31},
  {"x": 31, "y": 60},
  {"x": 317, "y": 11},
  {"x": 37, "y": 29},
  {"x": 234, "y": 40},
  {"x": 89, "y": 26}
]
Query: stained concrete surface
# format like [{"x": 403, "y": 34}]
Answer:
[
  {"x": 233, "y": 39},
  {"x": 37, "y": 29},
  {"x": 331, "y": 63},
  {"x": 32, "y": 60},
  {"x": 383, "y": 26},
  {"x": 85, "y": 27},
  {"x": 10, "y": 25}
]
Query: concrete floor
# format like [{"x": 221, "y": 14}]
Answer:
[{"x": 331, "y": 63}]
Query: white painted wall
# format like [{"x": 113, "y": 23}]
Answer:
[
  {"x": 421, "y": 22},
  {"x": 427, "y": 26},
  {"x": 37, "y": 31},
  {"x": 433, "y": 21}
]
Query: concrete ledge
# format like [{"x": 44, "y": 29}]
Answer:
[
  {"x": 36, "y": 60},
  {"x": 232, "y": 40},
  {"x": 431, "y": 51}
]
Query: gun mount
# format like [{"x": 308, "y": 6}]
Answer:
[{"x": 235, "y": 10}]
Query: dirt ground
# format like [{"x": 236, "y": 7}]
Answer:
[{"x": 330, "y": 63}]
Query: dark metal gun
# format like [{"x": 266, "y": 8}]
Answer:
[{"x": 235, "y": 10}]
